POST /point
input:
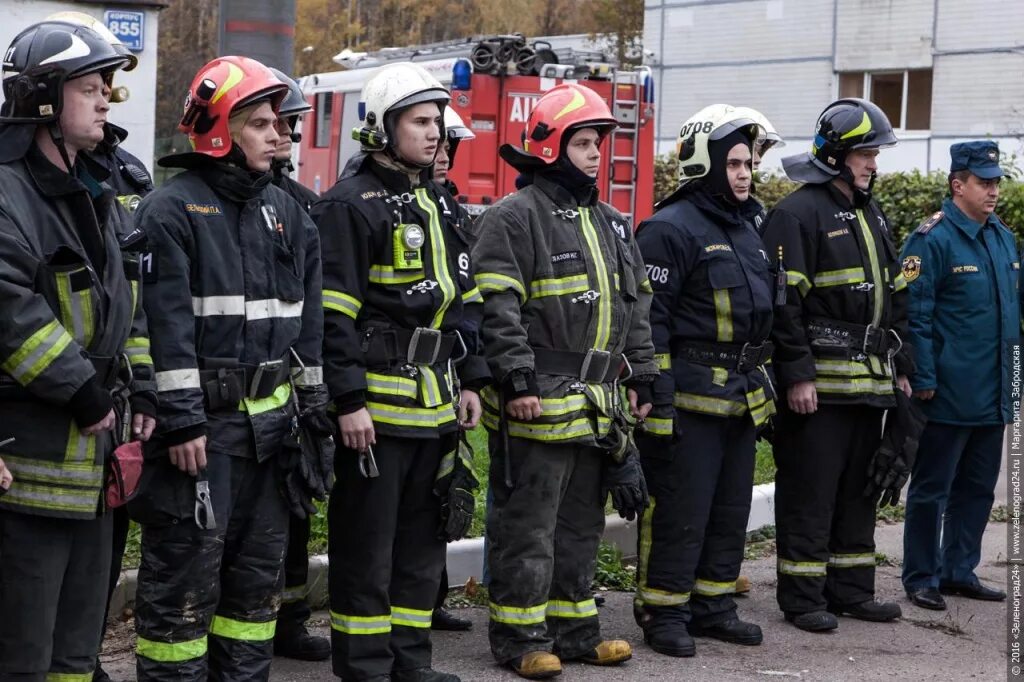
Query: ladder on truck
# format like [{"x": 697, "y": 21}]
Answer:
[{"x": 631, "y": 114}]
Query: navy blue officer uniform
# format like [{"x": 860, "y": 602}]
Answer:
[{"x": 964, "y": 323}]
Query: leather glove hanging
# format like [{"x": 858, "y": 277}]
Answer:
[
  {"x": 624, "y": 481},
  {"x": 455, "y": 484},
  {"x": 889, "y": 469},
  {"x": 306, "y": 461}
]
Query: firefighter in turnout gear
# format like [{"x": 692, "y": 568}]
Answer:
[
  {"x": 769, "y": 139},
  {"x": 292, "y": 639},
  {"x": 840, "y": 352},
  {"x": 233, "y": 290},
  {"x": 397, "y": 287},
  {"x": 565, "y": 321},
  {"x": 76, "y": 378},
  {"x": 711, "y": 318}
]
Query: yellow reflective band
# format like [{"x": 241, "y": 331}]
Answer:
[
  {"x": 863, "y": 128},
  {"x": 544, "y": 432},
  {"x": 550, "y": 407},
  {"x": 426, "y": 417},
  {"x": 723, "y": 314},
  {"x": 569, "y": 609},
  {"x": 387, "y": 384},
  {"x": 279, "y": 398},
  {"x": 558, "y": 286},
  {"x": 52, "y": 497},
  {"x": 69, "y": 677},
  {"x": 710, "y": 588},
  {"x": 854, "y": 386},
  {"x": 472, "y": 296},
  {"x": 708, "y": 405},
  {"x": 309, "y": 376},
  {"x": 410, "y": 618},
  {"x": 386, "y": 274},
  {"x": 644, "y": 593},
  {"x": 900, "y": 283},
  {"x": 604, "y": 301},
  {"x": 852, "y": 560},
  {"x": 342, "y": 303},
  {"x": 170, "y": 652},
  {"x": 577, "y": 102},
  {"x": 830, "y": 278},
  {"x": 719, "y": 376},
  {"x": 808, "y": 569},
  {"x": 516, "y": 615},
  {"x": 446, "y": 467},
  {"x": 135, "y": 295},
  {"x": 798, "y": 280},
  {"x": 79, "y": 448},
  {"x": 137, "y": 350},
  {"x": 439, "y": 251},
  {"x": 876, "y": 273},
  {"x": 37, "y": 353},
  {"x": 229, "y": 628},
  {"x": 75, "y": 308},
  {"x": 78, "y": 475},
  {"x": 645, "y": 286},
  {"x": 664, "y": 361},
  {"x": 657, "y": 426},
  {"x": 495, "y": 281},
  {"x": 361, "y": 625},
  {"x": 653, "y": 597}
]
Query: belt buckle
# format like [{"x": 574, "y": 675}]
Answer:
[
  {"x": 266, "y": 373},
  {"x": 741, "y": 361},
  {"x": 425, "y": 356},
  {"x": 595, "y": 366}
]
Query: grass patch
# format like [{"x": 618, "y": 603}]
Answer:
[
  {"x": 764, "y": 463},
  {"x": 760, "y": 543},
  {"x": 612, "y": 573},
  {"x": 999, "y": 514},
  {"x": 891, "y": 515}
]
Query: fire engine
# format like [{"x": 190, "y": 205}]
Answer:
[{"x": 494, "y": 83}]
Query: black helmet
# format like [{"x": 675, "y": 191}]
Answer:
[
  {"x": 843, "y": 126},
  {"x": 294, "y": 103},
  {"x": 41, "y": 59}
]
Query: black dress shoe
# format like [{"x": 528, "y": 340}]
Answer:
[
  {"x": 423, "y": 675},
  {"x": 813, "y": 621},
  {"x": 972, "y": 591},
  {"x": 671, "y": 642},
  {"x": 927, "y": 598},
  {"x": 873, "y": 610},
  {"x": 734, "y": 631},
  {"x": 444, "y": 619}
]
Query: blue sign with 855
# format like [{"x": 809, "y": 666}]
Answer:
[{"x": 129, "y": 27}]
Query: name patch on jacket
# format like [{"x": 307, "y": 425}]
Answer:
[
  {"x": 203, "y": 209},
  {"x": 711, "y": 248},
  {"x": 960, "y": 269},
  {"x": 838, "y": 233},
  {"x": 565, "y": 256}
]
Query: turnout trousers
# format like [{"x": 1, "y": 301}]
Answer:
[
  {"x": 952, "y": 487},
  {"x": 295, "y": 610},
  {"x": 53, "y": 581},
  {"x": 386, "y": 557},
  {"x": 825, "y": 524},
  {"x": 207, "y": 599},
  {"x": 693, "y": 532},
  {"x": 543, "y": 536}
]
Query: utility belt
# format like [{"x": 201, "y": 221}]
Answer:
[
  {"x": 832, "y": 337},
  {"x": 592, "y": 367},
  {"x": 420, "y": 346},
  {"x": 741, "y": 357},
  {"x": 107, "y": 371},
  {"x": 226, "y": 382}
]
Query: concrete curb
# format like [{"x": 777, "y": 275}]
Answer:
[{"x": 465, "y": 557}]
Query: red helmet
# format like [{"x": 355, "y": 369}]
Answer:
[
  {"x": 564, "y": 108},
  {"x": 220, "y": 87}
]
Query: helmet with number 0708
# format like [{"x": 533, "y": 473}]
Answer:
[{"x": 709, "y": 124}]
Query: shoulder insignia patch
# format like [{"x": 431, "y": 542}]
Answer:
[
  {"x": 926, "y": 226},
  {"x": 911, "y": 268}
]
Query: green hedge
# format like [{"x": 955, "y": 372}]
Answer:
[{"x": 906, "y": 197}]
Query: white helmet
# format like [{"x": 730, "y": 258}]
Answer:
[
  {"x": 390, "y": 89},
  {"x": 710, "y": 123},
  {"x": 455, "y": 128},
  {"x": 771, "y": 136}
]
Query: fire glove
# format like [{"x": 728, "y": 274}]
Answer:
[
  {"x": 624, "y": 481},
  {"x": 455, "y": 484},
  {"x": 307, "y": 456},
  {"x": 891, "y": 465}
]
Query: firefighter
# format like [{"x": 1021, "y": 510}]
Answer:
[
  {"x": 840, "y": 352},
  {"x": 455, "y": 132},
  {"x": 565, "y": 321},
  {"x": 710, "y": 318},
  {"x": 69, "y": 281},
  {"x": 291, "y": 638},
  {"x": 232, "y": 288},
  {"x": 397, "y": 282}
]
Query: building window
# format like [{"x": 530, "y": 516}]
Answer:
[
  {"x": 904, "y": 96},
  {"x": 324, "y": 104}
]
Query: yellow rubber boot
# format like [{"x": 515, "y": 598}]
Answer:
[
  {"x": 742, "y": 584},
  {"x": 609, "y": 652},
  {"x": 537, "y": 665}
]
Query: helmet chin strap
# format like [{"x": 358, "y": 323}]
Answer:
[{"x": 57, "y": 136}]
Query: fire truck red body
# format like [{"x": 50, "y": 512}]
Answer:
[{"x": 496, "y": 108}]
